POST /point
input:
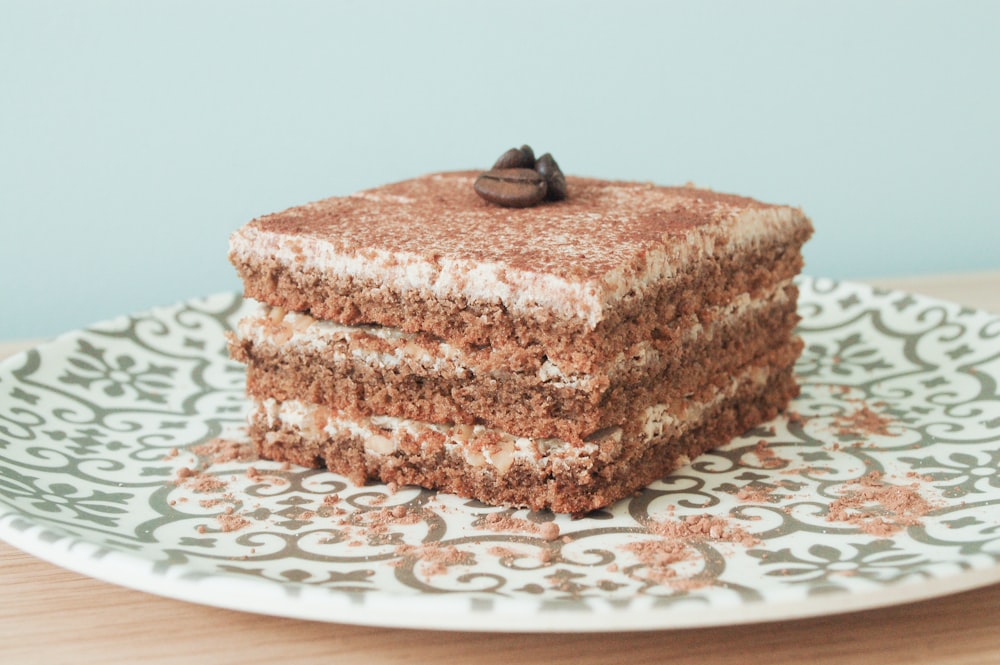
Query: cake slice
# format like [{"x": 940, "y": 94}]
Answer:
[{"x": 561, "y": 356}]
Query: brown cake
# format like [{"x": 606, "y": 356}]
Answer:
[{"x": 561, "y": 356}]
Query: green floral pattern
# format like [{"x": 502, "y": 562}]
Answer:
[{"x": 101, "y": 471}]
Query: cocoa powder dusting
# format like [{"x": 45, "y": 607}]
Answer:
[{"x": 418, "y": 217}]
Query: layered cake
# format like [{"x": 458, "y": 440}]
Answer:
[{"x": 560, "y": 356}]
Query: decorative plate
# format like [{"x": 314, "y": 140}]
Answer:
[{"x": 122, "y": 457}]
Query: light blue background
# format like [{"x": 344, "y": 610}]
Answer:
[{"x": 135, "y": 136}]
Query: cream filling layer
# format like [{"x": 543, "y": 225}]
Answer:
[
  {"x": 278, "y": 328},
  {"x": 298, "y": 332},
  {"x": 521, "y": 291},
  {"x": 482, "y": 446}
]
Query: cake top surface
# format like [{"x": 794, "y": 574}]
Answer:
[
  {"x": 598, "y": 227},
  {"x": 575, "y": 256}
]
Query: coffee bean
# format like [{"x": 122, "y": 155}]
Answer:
[
  {"x": 511, "y": 188},
  {"x": 516, "y": 158},
  {"x": 529, "y": 155},
  {"x": 554, "y": 178}
]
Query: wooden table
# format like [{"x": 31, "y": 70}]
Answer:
[{"x": 50, "y": 615}]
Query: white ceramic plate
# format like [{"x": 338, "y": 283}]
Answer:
[{"x": 881, "y": 487}]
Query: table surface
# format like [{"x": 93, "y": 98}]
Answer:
[{"x": 51, "y": 615}]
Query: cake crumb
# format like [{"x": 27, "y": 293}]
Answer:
[
  {"x": 676, "y": 545},
  {"x": 220, "y": 451},
  {"x": 504, "y": 522},
  {"x": 212, "y": 502},
  {"x": 755, "y": 494},
  {"x": 501, "y": 552},
  {"x": 863, "y": 422},
  {"x": 229, "y": 522},
  {"x": 703, "y": 527},
  {"x": 879, "y": 508},
  {"x": 435, "y": 557},
  {"x": 255, "y": 475},
  {"x": 658, "y": 557},
  {"x": 768, "y": 458},
  {"x": 197, "y": 481},
  {"x": 379, "y": 521},
  {"x": 184, "y": 473}
]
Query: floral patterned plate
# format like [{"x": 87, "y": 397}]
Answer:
[{"x": 122, "y": 457}]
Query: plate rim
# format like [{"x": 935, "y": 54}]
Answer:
[{"x": 411, "y": 612}]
